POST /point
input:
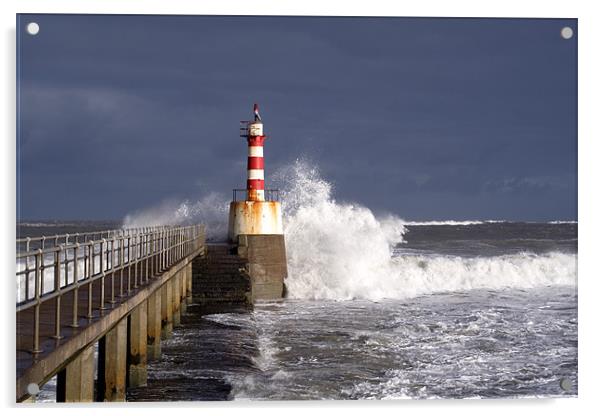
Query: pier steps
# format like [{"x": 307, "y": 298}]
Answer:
[{"x": 219, "y": 280}]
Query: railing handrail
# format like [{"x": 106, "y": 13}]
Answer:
[
  {"x": 99, "y": 232},
  {"x": 88, "y": 242}
]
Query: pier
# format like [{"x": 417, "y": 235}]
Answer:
[
  {"x": 115, "y": 292},
  {"x": 93, "y": 308}
]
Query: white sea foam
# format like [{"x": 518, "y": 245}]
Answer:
[
  {"x": 452, "y": 222},
  {"x": 343, "y": 251}
]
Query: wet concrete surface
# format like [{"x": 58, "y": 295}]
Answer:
[{"x": 197, "y": 359}]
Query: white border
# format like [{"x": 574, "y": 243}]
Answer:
[{"x": 589, "y": 34}]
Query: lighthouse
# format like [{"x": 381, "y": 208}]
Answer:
[
  {"x": 254, "y": 210},
  {"x": 255, "y": 223}
]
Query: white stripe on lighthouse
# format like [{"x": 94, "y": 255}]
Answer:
[
  {"x": 256, "y": 151},
  {"x": 255, "y": 174}
]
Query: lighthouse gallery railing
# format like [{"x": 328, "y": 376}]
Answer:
[{"x": 269, "y": 195}]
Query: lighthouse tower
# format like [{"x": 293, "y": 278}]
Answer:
[{"x": 259, "y": 213}]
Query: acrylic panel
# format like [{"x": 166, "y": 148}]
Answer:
[{"x": 394, "y": 217}]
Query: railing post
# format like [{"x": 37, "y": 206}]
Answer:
[
  {"x": 39, "y": 276},
  {"x": 74, "y": 322},
  {"x": 102, "y": 274},
  {"x": 121, "y": 264},
  {"x": 112, "y": 301},
  {"x": 135, "y": 250},
  {"x": 89, "y": 277},
  {"x": 167, "y": 248},
  {"x": 146, "y": 255},
  {"x": 27, "y": 269},
  {"x": 129, "y": 288},
  {"x": 164, "y": 249},
  {"x": 57, "y": 287}
]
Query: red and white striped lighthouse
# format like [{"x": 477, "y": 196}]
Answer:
[
  {"x": 255, "y": 166},
  {"x": 255, "y": 215}
]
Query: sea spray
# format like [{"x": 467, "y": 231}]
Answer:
[
  {"x": 334, "y": 250},
  {"x": 211, "y": 210}
]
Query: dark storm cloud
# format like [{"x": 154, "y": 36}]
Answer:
[{"x": 426, "y": 118}]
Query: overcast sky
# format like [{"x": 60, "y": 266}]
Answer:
[{"x": 423, "y": 118}]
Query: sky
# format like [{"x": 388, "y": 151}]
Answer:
[{"x": 424, "y": 118}]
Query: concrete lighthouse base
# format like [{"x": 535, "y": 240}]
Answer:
[
  {"x": 254, "y": 217},
  {"x": 256, "y": 228},
  {"x": 265, "y": 257}
]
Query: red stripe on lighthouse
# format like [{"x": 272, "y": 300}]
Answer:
[
  {"x": 256, "y": 140},
  {"x": 255, "y": 162}
]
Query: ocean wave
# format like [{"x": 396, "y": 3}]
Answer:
[
  {"x": 414, "y": 275},
  {"x": 343, "y": 251},
  {"x": 480, "y": 222}
]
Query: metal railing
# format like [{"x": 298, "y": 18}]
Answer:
[
  {"x": 64, "y": 264},
  {"x": 272, "y": 195}
]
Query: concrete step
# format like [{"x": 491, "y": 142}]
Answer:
[
  {"x": 222, "y": 287},
  {"x": 217, "y": 276},
  {"x": 201, "y": 285},
  {"x": 220, "y": 267},
  {"x": 221, "y": 295},
  {"x": 232, "y": 286},
  {"x": 223, "y": 256},
  {"x": 213, "y": 250}
]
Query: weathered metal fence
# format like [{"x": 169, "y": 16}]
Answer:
[{"x": 63, "y": 264}]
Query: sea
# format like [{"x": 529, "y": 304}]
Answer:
[{"x": 379, "y": 307}]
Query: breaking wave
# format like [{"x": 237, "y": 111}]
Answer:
[{"x": 343, "y": 251}]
